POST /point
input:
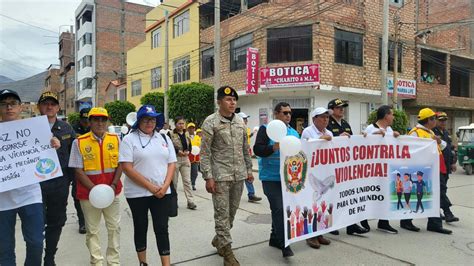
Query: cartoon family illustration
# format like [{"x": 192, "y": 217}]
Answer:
[
  {"x": 309, "y": 220},
  {"x": 406, "y": 186}
]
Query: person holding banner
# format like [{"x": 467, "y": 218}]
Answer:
[
  {"x": 25, "y": 201},
  {"x": 268, "y": 152},
  {"x": 340, "y": 127},
  {"x": 56, "y": 191},
  {"x": 383, "y": 127},
  {"x": 318, "y": 130},
  {"x": 426, "y": 123},
  {"x": 225, "y": 164},
  {"x": 148, "y": 160},
  {"x": 95, "y": 159}
]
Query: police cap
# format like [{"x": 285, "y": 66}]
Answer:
[{"x": 226, "y": 91}]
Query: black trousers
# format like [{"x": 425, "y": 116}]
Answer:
[
  {"x": 55, "y": 193},
  {"x": 272, "y": 190},
  {"x": 77, "y": 204},
  {"x": 419, "y": 197},
  {"x": 444, "y": 201},
  {"x": 399, "y": 203},
  {"x": 194, "y": 173},
  {"x": 159, "y": 214}
]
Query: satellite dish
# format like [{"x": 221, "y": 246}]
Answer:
[{"x": 131, "y": 118}]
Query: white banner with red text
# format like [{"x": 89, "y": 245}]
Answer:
[
  {"x": 26, "y": 156},
  {"x": 332, "y": 184}
]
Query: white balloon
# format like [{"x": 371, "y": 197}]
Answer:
[
  {"x": 124, "y": 130},
  {"x": 255, "y": 129},
  {"x": 195, "y": 150},
  {"x": 276, "y": 130},
  {"x": 111, "y": 129},
  {"x": 290, "y": 145},
  {"x": 101, "y": 196},
  {"x": 131, "y": 118}
]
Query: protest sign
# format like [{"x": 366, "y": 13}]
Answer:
[
  {"x": 26, "y": 156},
  {"x": 332, "y": 184}
]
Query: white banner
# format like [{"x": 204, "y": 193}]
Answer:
[
  {"x": 333, "y": 184},
  {"x": 26, "y": 156}
]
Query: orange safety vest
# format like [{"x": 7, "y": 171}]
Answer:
[
  {"x": 429, "y": 134},
  {"x": 100, "y": 161}
]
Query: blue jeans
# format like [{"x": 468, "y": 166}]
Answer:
[
  {"x": 272, "y": 189},
  {"x": 32, "y": 226},
  {"x": 250, "y": 189}
]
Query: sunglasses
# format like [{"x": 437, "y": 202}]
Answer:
[{"x": 286, "y": 112}]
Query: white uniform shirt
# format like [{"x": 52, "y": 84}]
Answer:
[
  {"x": 371, "y": 130},
  {"x": 150, "y": 161},
  {"x": 20, "y": 197},
  {"x": 312, "y": 132}
]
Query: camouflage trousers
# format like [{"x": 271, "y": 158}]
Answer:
[{"x": 226, "y": 202}]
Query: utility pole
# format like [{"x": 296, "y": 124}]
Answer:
[
  {"x": 395, "y": 62},
  {"x": 383, "y": 79},
  {"x": 166, "y": 70},
  {"x": 217, "y": 48},
  {"x": 243, "y": 5}
]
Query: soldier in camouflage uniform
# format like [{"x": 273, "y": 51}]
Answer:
[{"x": 225, "y": 164}]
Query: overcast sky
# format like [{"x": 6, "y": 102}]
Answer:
[{"x": 26, "y": 50}]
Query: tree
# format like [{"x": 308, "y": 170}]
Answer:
[
  {"x": 194, "y": 101},
  {"x": 156, "y": 99},
  {"x": 73, "y": 118},
  {"x": 118, "y": 111},
  {"x": 400, "y": 121}
]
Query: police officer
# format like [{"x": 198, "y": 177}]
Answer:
[
  {"x": 81, "y": 128},
  {"x": 56, "y": 191},
  {"x": 339, "y": 127},
  {"x": 225, "y": 164},
  {"x": 449, "y": 159}
]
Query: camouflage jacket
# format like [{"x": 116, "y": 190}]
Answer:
[{"x": 224, "y": 149}]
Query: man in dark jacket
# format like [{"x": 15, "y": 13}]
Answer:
[
  {"x": 449, "y": 159},
  {"x": 56, "y": 191}
]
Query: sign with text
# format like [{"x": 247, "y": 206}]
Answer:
[
  {"x": 289, "y": 76},
  {"x": 252, "y": 71},
  {"x": 26, "y": 156},
  {"x": 332, "y": 184},
  {"x": 406, "y": 87}
]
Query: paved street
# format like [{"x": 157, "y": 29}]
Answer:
[{"x": 191, "y": 233}]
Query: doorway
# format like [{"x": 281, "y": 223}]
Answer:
[{"x": 299, "y": 119}]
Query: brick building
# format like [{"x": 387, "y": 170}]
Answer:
[
  {"x": 52, "y": 83},
  {"x": 445, "y": 50},
  {"x": 343, "y": 37},
  {"x": 105, "y": 30},
  {"x": 67, "y": 72}
]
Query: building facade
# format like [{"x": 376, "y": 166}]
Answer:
[
  {"x": 445, "y": 52},
  {"x": 146, "y": 61},
  {"x": 52, "y": 83},
  {"x": 67, "y": 72},
  {"x": 105, "y": 30},
  {"x": 342, "y": 38}
]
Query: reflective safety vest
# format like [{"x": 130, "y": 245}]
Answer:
[
  {"x": 195, "y": 141},
  {"x": 100, "y": 161},
  {"x": 429, "y": 134}
]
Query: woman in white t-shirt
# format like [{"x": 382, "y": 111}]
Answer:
[
  {"x": 383, "y": 127},
  {"x": 148, "y": 160}
]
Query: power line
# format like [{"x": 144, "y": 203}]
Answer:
[{"x": 26, "y": 23}]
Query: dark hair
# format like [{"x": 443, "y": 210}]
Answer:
[
  {"x": 176, "y": 119},
  {"x": 424, "y": 121},
  {"x": 279, "y": 106},
  {"x": 382, "y": 111}
]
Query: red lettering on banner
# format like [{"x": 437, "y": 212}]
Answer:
[{"x": 353, "y": 172}]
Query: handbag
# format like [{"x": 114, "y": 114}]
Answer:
[{"x": 173, "y": 208}]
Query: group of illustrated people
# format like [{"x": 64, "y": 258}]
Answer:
[{"x": 152, "y": 156}]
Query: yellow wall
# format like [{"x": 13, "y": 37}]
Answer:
[{"x": 142, "y": 58}]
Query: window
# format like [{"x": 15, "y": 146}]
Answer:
[
  {"x": 87, "y": 16},
  {"x": 181, "y": 70},
  {"x": 290, "y": 44},
  {"x": 348, "y": 48},
  {"x": 238, "y": 51},
  {"x": 391, "y": 54},
  {"x": 155, "y": 38},
  {"x": 86, "y": 61},
  {"x": 207, "y": 64},
  {"x": 87, "y": 38},
  {"x": 136, "y": 87},
  {"x": 85, "y": 83},
  {"x": 79, "y": 65},
  {"x": 181, "y": 24},
  {"x": 122, "y": 94},
  {"x": 156, "y": 78}
]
